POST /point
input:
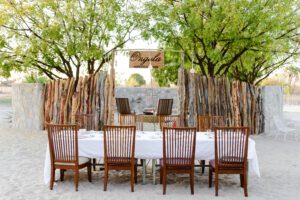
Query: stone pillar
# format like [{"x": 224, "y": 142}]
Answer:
[
  {"x": 27, "y": 106},
  {"x": 272, "y": 105}
]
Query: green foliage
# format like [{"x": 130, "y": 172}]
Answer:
[
  {"x": 287, "y": 79},
  {"x": 136, "y": 80},
  {"x": 63, "y": 38},
  {"x": 292, "y": 74},
  {"x": 169, "y": 73},
  {"x": 254, "y": 67},
  {"x": 224, "y": 34},
  {"x": 293, "y": 71},
  {"x": 35, "y": 79}
]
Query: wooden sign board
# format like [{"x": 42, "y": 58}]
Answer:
[{"x": 141, "y": 59}]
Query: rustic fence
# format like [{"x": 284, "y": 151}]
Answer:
[
  {"x": 239, "y": 102},
  {"x": 93, "y": 94}
]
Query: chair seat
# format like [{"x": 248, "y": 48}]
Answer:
[
  {"x": 120, "y": 161},
  {"x": 178, "y": 162},
  {"x": 236, "y": 165},
  {"x": 81, "y": 161}
]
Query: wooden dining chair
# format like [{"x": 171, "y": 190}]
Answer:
[
  {"x": 126, "y": 117},
  {"x": 206, "y": 123},
  {"x": 132, "y": 120},
  {"x": 63, "y": 146},
  {"x": 178, "y": 154},
  {"x": 164, "y": 107},
  {"x": 171, "y": 121},
  {"x": 119, "y": 147},
  {"x": 123, "y": 106},
  {"x": 231, "y": 153},
  {"x": 203, "y": 123}
]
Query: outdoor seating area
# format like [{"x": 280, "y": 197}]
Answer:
[
  {"x": 151, "y": 99},
  {"x": 178, "y": 149}
]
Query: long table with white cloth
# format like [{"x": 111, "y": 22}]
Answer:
[{"x": 149, "y": 146}]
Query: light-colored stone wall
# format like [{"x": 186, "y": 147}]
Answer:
[
  {"x": 141, "y": 98},
  {"x": 272, "y": 105},
  {"x": 27, "y": 106}
]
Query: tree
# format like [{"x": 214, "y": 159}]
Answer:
[
  {"x": 254, "y": 67},
  {"x": 62, "y": 38},
  {"x": 224, "y": 33},
  {"x": 136, "y": 80},
  {"x": 293, "y": 74},
  {"x": 169, "y": 73}
]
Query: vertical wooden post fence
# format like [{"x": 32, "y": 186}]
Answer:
[
  {"x": 238, "y": 102},
  {"x": 92, "y": 95}
]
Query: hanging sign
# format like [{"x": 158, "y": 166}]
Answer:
[{"x": 141, "y": 59}]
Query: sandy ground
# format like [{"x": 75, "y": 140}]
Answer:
[
  {"x": 5, "y": 115},
  {"x": 22, "y": 156}
]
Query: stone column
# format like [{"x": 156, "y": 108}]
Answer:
[
  {"x": 27, "y": 106},
  {"x": 272, "y": 105}
]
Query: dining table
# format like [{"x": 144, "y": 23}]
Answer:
[{"x": 148, "y": 146}]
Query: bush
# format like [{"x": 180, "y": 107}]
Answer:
[{"x": 136, "y": 80}]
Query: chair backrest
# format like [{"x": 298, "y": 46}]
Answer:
[
  {"x": 179, "y": 146},
  {"x": 63, "y": 143},
  {"x": 164, "y": 107},
  {"x": 123, "y": 106},
  {"x": 86, "y": 121},
  {"x": 203, "y": 123},
  {"x": 210, "y": 122},
  {"x": 131, "y": 120},
  {"x": 231, "y": 147},
  {"x": 216, "y": 121},
  {"x": 119, "y": 142},
  {"x": 171, "y": 121}
]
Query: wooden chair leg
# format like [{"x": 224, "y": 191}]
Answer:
[
  {"x": 245, "y": 184},
  {"x": 135, "y": 173},
  {"x": 132, "y": 178},
  {"x": 76, "y": 179},
  {"x": 160, "y": 175},
  {"x": 164, "y": 180},
  {"x": 203, "y": 166},
  {"x": 89, "y": 170},
  {"x": 192, "y": 182},
  {"x": 62, "y": 173},
  {"x": 216, "y": 183},
  {"x": 94, "y": 164},
  {"x": 105, "y": 177},
  {"x": 242, "y": 180},
  {"x": 52, "y": 178},
  {"x": 210, "y": 177}
]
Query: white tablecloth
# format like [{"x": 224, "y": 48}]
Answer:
[{"x": 149, "y": 146}]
